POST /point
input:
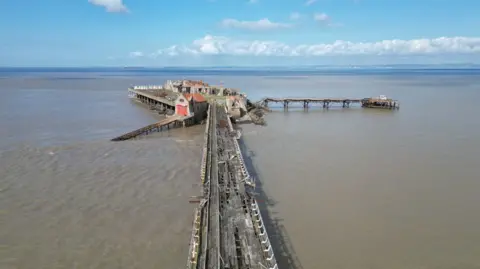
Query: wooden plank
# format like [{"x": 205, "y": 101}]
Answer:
[{"x": 147, "y": 128}]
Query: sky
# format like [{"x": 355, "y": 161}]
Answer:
[{"x": 238, "y": 32}]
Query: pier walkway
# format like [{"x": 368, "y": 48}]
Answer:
[
  {"x": 152, "y": 127},
  {"x": 228, "y": 230}
]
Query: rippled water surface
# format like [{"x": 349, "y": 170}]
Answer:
[{"x": 349, "y": 188}]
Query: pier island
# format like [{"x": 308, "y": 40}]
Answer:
[{"x": 228, "y": 230}]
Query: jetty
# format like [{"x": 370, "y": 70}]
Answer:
[
  {"x": 373, "y": 102},
  {"x": 155, "y": 127}
]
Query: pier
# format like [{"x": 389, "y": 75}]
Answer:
[
  {"x": 155, "y": 127},
  {"x": 375, "y": 102},
  {"x": 228, "y": 229},
  {"x": 154, "y": 97}
]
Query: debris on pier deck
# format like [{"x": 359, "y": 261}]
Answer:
[
  {"x": 380, "y": 102},
  {"x": 375, "y": 102},
  {"x": 151, "y": 128},
  {"x": 228, "y": 230}
]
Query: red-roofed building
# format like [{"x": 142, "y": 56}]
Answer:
[
  {"x": 188, "y": 104},
  {"x": 196, "y": 97}
]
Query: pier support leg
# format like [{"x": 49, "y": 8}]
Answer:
[
  {"x": 305, "y": 105},
  {"x": 285, "y": 105}
]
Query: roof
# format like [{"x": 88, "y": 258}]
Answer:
[{"x": 196, "y": 96}]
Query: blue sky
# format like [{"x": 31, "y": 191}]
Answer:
[{"x": 237, "y": 32}]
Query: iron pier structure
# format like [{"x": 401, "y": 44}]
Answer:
[
  {"x": 228, "y": 229},
  {"x": 328, "y": 102}
]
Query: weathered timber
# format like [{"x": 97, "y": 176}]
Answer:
[
  {"x": 231, "y": 232},
  {"x": 213, "y": 257},
  {"x": 149, "y": 128}
]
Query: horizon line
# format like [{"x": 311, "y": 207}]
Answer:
[{"x": 249, "y": 66}]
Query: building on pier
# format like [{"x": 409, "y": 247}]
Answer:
[
  {"x": 188, "y": 86},
  {"x": 193, "y": 104},
  {"x": 198, "y": 86}
]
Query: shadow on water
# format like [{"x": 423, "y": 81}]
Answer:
[
  {"x": 334, "y": 110},
  {"x": 281, "y": 243}
]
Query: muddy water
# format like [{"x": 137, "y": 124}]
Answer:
[
  {"x": 350, "y": 188},
  {"x": 362, "y": 189},
  {"x": 69, "y": 198}
]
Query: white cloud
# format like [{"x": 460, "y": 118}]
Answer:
[
  {"x": 295, "y": 16},
  {"x": 325, "y": 20},
  {"x": 310, "y": 2},
  {"x": 214, "y": 45},
  {"x": 110, "y": 5},
  {"x": 321, "y": 17},
  {"x": 136, "y": 54},
  {"x": 262, "y": 24}
]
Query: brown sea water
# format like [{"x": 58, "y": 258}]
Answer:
[{"x": 348, "y": 188}]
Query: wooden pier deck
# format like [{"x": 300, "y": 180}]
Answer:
[
  {"x": 151, "y": 128},
  {"x": 228, "y": 229},
  {"x": 150, "y": 97}
]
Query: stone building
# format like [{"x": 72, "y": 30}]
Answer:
[
  {"x": 198, "y": 86},
  {"x": 188, "y": 86}
]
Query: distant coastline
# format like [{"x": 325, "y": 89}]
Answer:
[
  {"x": 463, "y": 69},
  {"x": 259, "y": 67}
]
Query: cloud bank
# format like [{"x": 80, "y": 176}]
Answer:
[
  {"x": 217, "y": 45},
  {"x": 110, "y": 5}
]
